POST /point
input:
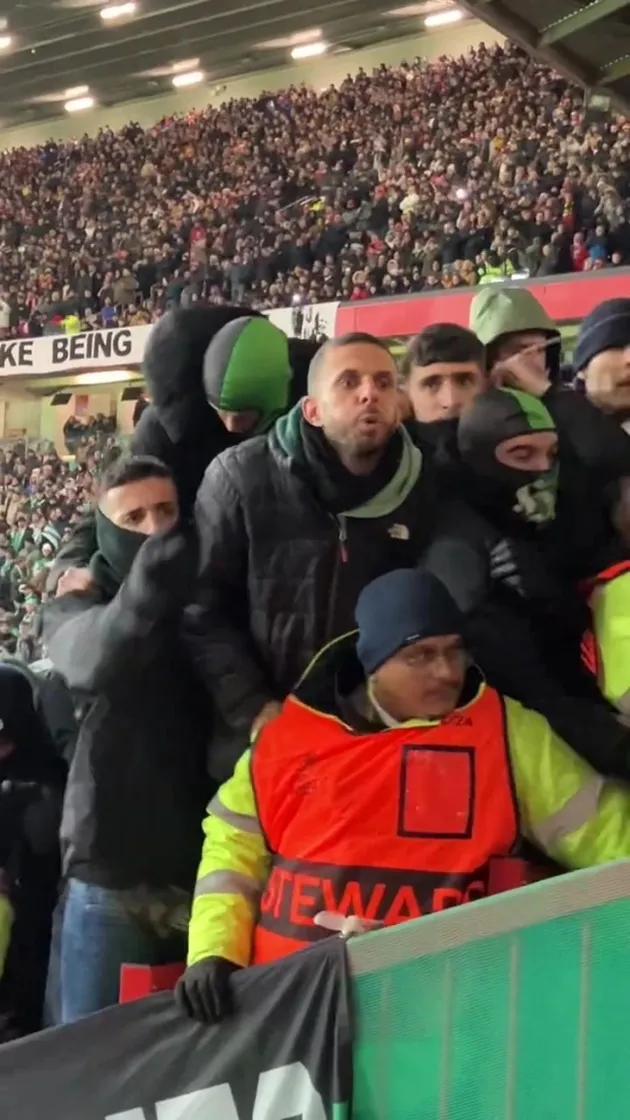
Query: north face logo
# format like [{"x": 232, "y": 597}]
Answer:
[{"x": 399, "y": 532}]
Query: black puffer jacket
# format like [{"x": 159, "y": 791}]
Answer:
[{"x": 277, "y": 582}]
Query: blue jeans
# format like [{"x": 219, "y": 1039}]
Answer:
[{"x": 98, "y": 936}]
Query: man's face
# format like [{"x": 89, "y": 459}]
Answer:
[
  {"x": 530, "y": 344},
  {"x": 356, "y": 399},
  {"x": 238, "y": 423},
  {"x": 443, "y": 390},
  {"x": 607, "y": 378},
  {"x": 149, "y": 506},
  {"x": 423, "y": 680}
]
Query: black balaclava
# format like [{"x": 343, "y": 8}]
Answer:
[
  {"x": 495, "y": 416},
  {"x": 117, "y": 550}
]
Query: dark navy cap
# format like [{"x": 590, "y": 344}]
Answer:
[{"x": 399, "y": 608}]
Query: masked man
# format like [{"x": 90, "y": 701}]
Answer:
[
  {"x": 513, "y": 557},
  {"x": 137, "y": 786},
  {"x": 391, "y": 782}
]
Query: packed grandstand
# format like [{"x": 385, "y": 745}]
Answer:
[
  {"x": 412, "y": 178},
  {"x": 399, "y": 182},
  {"x": 170, "y": 597}
]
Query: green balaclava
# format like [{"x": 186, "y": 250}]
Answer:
[
  {"x": 117, "y": 550},
  {"x": 247, "y": 369},
  {"x": 495, "y": 416}
]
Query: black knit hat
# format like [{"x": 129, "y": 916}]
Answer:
[
  {"x": 399, "y": 608},
  {"x": 606, "y": 328}
]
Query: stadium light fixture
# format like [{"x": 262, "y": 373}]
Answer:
[
  {"x": 78, "y": 104},
  {"x": 76, "y": 91},
  {"x": 191, "y": 78},
  {"x": 309, "y": 50},
  {"x": 118, "y": 11},
  {"x": 105, "y": 377},
  {"x": 5, "y": 42},
  {"x": 187, "y": 64},
  {"x": 442, "y": 19}
]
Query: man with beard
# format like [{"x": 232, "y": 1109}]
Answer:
[
  {"x": 138, "y": 781},
  {"x": 293, "y": 525}
]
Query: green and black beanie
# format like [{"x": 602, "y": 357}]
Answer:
[{"x": 247, "y": 368}]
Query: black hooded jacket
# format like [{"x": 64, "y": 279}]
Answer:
[
  {"x": 527, "y": 641},
  {"x": 179, "y": 427},
  {"x": 138, "y": 782}
]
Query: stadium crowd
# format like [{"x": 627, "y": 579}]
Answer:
[
  {"x": 42, "y": 498},
  {"x": 443, "y": 547},
  {"x": 414, "y": 177}
]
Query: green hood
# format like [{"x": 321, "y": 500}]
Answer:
[
  {"x": 496, "y": 311},
  {"x": 247, "y": 369},
  {"x": 288, "y": 434}
]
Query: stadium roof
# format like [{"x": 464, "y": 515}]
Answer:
[
  {"x": 57, "y": 47},
  {"x": 587, "y": 39}
]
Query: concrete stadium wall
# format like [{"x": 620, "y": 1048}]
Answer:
[{"x": 318, "y": 73}]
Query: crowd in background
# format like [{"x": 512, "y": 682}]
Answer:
[
  {"x": 42, "y": 497},
  {"x": 412, "y": 178},
  {"x": 93, "y": 430},
  {"x": 209, "y": 570}
]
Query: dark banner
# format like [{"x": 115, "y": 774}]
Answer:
[{"x": 284, "y": 1055}]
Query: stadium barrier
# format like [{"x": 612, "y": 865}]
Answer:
[{"x": 511, "y": 1008}]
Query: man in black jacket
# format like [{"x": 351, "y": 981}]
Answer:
[
  {"x": 216, "y": 376},
  {"x": 293, "y": 525},
  {"x": 138, "y": 781}
]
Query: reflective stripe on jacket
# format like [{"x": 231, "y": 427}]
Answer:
[
  {"x": 565, "y": 808},
  {"x": 389, "y": 825}
]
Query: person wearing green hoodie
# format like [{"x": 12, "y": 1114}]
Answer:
[
  {"x": 293, "y": 524},
  {"x": 523, "y": 351}
]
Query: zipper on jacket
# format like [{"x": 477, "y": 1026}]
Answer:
[
  {"x": 342, "y": 536},
  {"x": 341, "y": 557}
]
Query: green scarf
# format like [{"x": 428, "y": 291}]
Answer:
[
  {"x": 399, "y": 486},
  {"x": 287, "y": 433}
]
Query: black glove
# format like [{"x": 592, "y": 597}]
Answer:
[
  {"x": 519, "y": 565},
  {"x": 167, "y": 565},
  {"x": 204, "y": 991}
]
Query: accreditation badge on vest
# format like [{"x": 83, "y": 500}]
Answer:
[{"x": 389, "y": 825}]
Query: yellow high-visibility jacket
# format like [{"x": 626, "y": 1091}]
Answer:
[
  {"x": 610, "y": 606},
  {"x": 6, "y": 925},
  {"x": 568, "y": 810}
]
